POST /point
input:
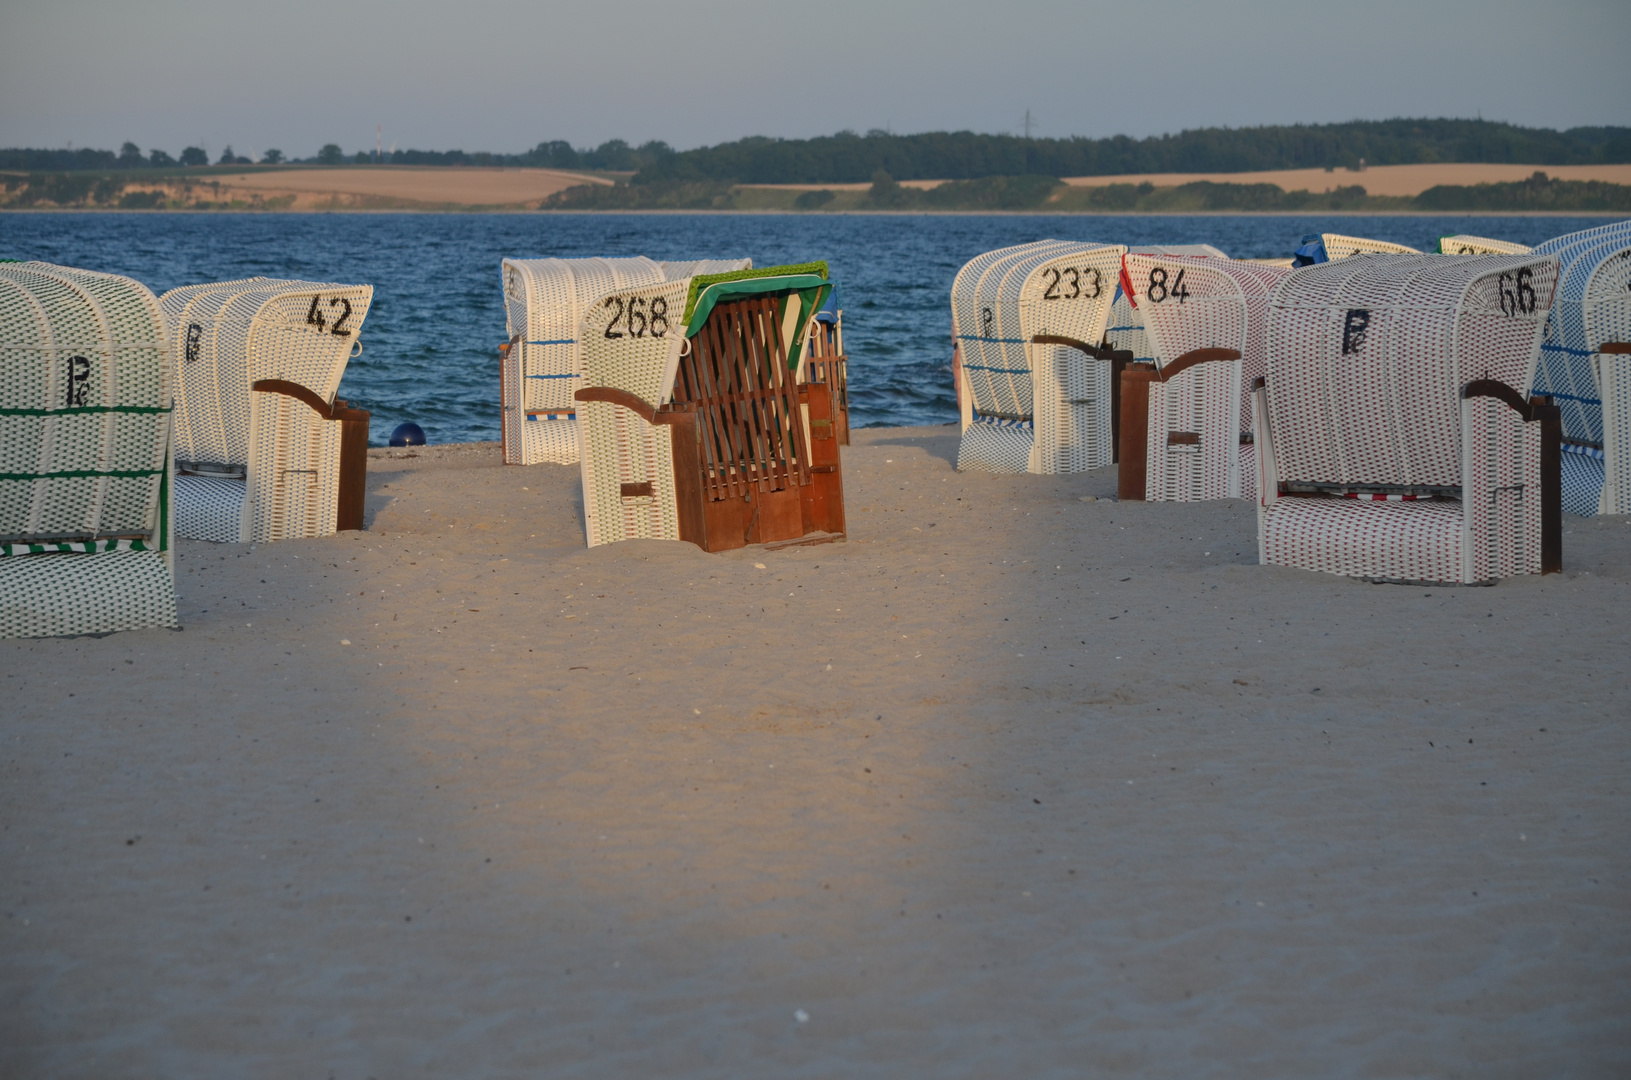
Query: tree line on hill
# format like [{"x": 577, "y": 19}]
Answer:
[
  {"x": 964, "y": 155},
  {"x": 850, "y": 158}
]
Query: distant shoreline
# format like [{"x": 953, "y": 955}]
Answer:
[{"x": 1313, "y": 212}]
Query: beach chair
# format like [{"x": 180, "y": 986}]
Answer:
[
  {"x": 825, "y": 362},
  {"x": 1187, "y": 420},
  {"x": 85, "y": 456},
  {"x": 692, "y": 424},
  {"x": 264, "y": 451},
  {"x": 1585, "y": 366},
  {"x": 541, "y": 365},
  {"x": 1394, "y": 440},
  {"x": 1035, "y": 384},
  {"x": 1326, "y": 247},
  {"x": 1463, "y": 244}
]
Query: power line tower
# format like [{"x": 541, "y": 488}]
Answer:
[{"x": 1027, "y": 125}]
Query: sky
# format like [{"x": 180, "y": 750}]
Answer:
[{"x": 504, "y": 75}]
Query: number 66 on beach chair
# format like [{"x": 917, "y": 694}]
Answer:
[
  {"x": 263, "y": 449},
  {"x": 692, "y": 423},
  {"x": 1035, "y": 385},
  {"x": 1187, "y": 418},
  {"x": 85, "y": 496},
  {"x": 1393, "y": 440}
]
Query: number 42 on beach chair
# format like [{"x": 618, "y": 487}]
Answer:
[{"x": 264, "y": 451}]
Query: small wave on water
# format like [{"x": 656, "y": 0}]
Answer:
[{"x": 430, "y": 345}]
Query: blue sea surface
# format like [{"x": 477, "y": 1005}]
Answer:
[{"x": 430, "y": 345}]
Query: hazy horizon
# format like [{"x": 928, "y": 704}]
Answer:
[{"x": 502, "y": 76}]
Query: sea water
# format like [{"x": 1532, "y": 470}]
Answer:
[{"x": 430, "y": 345}]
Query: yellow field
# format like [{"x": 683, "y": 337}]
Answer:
[
  {"x": 1404, "y": 180},
  {"x": 459, "y": 186}
]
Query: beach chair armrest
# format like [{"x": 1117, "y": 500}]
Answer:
[
  {"x": 296, "y": 391},
  {"x": 1183, "y": 363}
]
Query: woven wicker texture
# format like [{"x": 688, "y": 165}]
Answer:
[
  {"x": 228, "y": 335},
  {"x": 1203, "y": 303},
  {"x": 1582, "y": 480},
  {"x": 1593, "y": 388},
  {"x": 211, "y": 508},
  {"x": 545, "y": 301},
  {"x": 1000, "y": 302},
  {"x": 1126, "y": 330},
  {"x": 1363, "y": 413},
  {"x": 1338, "y": 246},
  {"x": 620, "y": 449},
  {"x": 1463, "y": 244},
  {"x": 85, "y": 499}
]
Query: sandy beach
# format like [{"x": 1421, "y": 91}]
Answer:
[{"x": 1018, "y": 781}]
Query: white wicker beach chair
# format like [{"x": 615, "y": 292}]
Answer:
[
  {"x": 692, "y": 425},
  {"x": 1187, "y": 418},
  {"x": 541, "y": 366},
  {"x": 86, "y": 517},
  {"x": 1585, "y": 366},
  {"x": 1338, "y": 246},
  {"x": 263, "y": 450},
  {"x": 1393, "y": 438},
  {"x": 1036, "y": 385},
  {"x": 1463, "y": 244}
]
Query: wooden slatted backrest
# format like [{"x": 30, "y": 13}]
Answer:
[{"x": 737, "y": 377}]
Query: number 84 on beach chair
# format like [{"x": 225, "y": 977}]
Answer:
[{"x": 1393, "y": 439}]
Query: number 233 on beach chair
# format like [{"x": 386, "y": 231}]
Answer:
[
  {"x": 693, "y": 426},
  {"x": 1585, "y": 365},
  {"x": 541, "y": 366},
  {"x": 85, "y": 498},
  {"x": 1036, "y": 389},
  {"x": 1187, "y": 416},
  {"x": 263, "y": 450},
  {"x": 1393, "y": 439}
]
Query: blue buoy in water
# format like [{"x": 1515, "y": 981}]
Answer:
[{"x": 408, "y": 434}]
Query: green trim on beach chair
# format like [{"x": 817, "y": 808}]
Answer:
[{"x": 809, "y": 280}]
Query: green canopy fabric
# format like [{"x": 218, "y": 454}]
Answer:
[{"x": 807, "y": 281}]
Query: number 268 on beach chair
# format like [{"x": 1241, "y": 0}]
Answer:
[
  {"x": 1394, "y": 441},
  {"x": 693, "y": 425}
]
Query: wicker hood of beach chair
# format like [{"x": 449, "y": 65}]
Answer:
[
  {"x": 541, "y": 366},
  {"x": 1035, "y": 385},
  {"x": 263, "y": 450},
  {"x": 1585, "y": 366},
  {"x": 692, "y": 423},
  {"x": 1204, "y": 320},
  {"x": 1463, "y": 244},
  {"x": 1338, "y": 246},
  {"x": 1394, "y": 441},
  {"x": 85, "y": 458}
]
